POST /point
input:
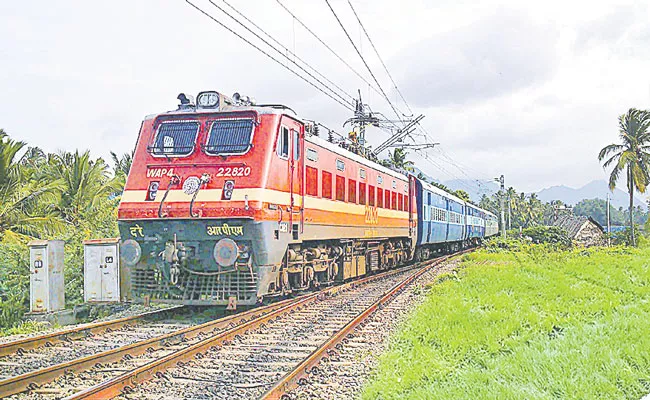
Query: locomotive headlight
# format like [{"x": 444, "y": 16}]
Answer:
[
  {"x": 208, "y": 99},
  {"x": 130, "y": 252},
  {"x": 191, "y": 185},
  {"x": 225, "y": 252},
  {"x": 228, "y": 187}
]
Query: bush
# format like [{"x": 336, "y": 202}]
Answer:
[
  {"x": 14, "y": 283},
  {"x": 548, "y": 234}
]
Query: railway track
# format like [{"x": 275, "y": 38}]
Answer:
[
  {"x": 240, "y": 356},
  {"x": 36, "y": 352}
]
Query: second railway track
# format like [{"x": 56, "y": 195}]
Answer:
[{"x": 241, "y": 356}]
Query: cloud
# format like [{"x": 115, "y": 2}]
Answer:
[
  {"x": 624, "y": 31},
  {"x": 498, "y": 54}
]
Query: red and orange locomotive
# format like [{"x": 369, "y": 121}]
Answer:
[{"x": 229, "y": 202}]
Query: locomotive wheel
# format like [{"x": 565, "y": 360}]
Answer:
[
  {"x": 333, "y": 270},
  {"x": 309, "y": 276},
  {"x": 285, "y": 286}
]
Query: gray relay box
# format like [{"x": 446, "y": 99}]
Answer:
[
  {"x": 101, "y": 270},
  {"x": 46, "y": 282}
]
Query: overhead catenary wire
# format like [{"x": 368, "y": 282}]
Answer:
[
  {"x": 383, "y": 93},
  {"x": 351, "y": 103},
  {"x": 372, "y": 44},
  {"x": 321, "y": 41},
  {"x": 286, "y": 49},
  {"x": 342, "y": 103}
]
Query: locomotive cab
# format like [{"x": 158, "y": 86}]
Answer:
[{"x": 213, "y": 188}]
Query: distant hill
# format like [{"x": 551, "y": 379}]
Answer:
[{"x": 593, "y": 190}]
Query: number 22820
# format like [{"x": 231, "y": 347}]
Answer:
[{"x": 234, "y": 171}]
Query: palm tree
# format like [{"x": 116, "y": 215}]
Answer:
[
  {"x": 122, "y": 164},
  {"x": 86, "y": 183},
  {"x": 461, "y": 194},
  {"x": 511, "y": 201},
  {"x": 397, "y": 158},
  {"x": 23, "y": 195},
  {"x": 631, "y": 155}
]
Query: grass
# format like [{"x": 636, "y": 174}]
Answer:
[
  {"x": 527, "y": 324},
  {"x": 26, "y": 327}
]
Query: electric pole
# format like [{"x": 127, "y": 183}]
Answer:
[
  {"x": 502, "y": 181},
  {"x": 609, "y": 228}
]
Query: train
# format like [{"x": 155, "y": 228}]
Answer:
[{"x": 229, "y": 203}]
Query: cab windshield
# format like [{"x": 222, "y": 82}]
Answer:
[{"x": 230, "y": 136}]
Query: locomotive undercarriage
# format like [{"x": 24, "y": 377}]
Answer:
[
  {"x": 427, "y": 251},
  {"x": 312, "y": 264},
  {"x": 177, "y": 261}
]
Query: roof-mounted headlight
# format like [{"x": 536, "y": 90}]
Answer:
[{"x": 208, "y": 99}]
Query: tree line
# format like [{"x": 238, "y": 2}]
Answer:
[{"x": 65, "y": 195}]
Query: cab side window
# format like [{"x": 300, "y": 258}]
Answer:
[{"x": 282, "y": 147}]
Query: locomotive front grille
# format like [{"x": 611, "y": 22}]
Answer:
[{"x": 196, "y": 289}]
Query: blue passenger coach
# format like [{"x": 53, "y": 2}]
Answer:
[{"x": 448, "y": 223}]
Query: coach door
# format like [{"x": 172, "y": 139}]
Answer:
[{"x": 296, "y": 180}]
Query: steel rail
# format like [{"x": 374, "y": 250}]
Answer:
[
  {"x": 125, "y": 382},
  {"x": 292, "y": 379},
  {"x": 70, "y": 333},
  {"x": 33, "y": 379}
]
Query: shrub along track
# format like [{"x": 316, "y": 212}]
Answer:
[{"x": 248, "y": 351}]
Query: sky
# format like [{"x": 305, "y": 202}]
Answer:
[{"x": 531, "y": 90}]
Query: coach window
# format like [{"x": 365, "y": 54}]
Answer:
[
  {"x": 340, "y": 188},
  {"x": 282, "y": 147},
  {"x": 393, "y": 201},
  {"x": 400, "y": 202},
  {"x": 312, "y": 155},
  {"x": 340, "y": 165},
  {"x": 327, "y": 185},
  {"x": 379, "y": 179},
  {"x": 362, "y": 173},
  {"x": 312, "y": 181},
  {"x": 386, "y": 198},
  {"x": 362, "y": 193},
  {"x": 352, "y": 191},
  {"x": 371, "y": 195},
  {"x": 380, "y": 197}
]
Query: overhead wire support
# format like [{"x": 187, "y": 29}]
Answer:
[
  {"x": 400, "y": 135},
  {"x": 343, "y": 103},
  {"x": 327, "y": 47},
  {"x": 415, "y": 146},
  {"x": 363, "y": 59}
]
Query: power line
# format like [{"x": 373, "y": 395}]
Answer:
[
  {"x": 327, "y": 47},
  {"x": 363, "y": 59},
  {"x": 286, "y": 49},
  {"x": 281, "y": 53},
  {"x": 378, "y": 56},
  {"x": 268, "y": 55}
]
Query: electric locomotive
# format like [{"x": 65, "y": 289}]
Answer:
[{"x": 228, "y": 202}]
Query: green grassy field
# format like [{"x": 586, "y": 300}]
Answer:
[{"x": 528, "y": 324}]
